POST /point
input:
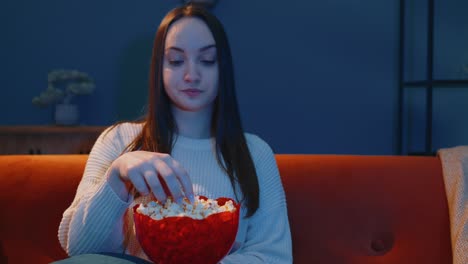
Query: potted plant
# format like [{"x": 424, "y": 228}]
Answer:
[{"x": 63, "y": 86}]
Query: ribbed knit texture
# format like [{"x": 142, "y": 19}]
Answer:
[
  {"x": 455, "y": 171},
  {"x": 97, "y": 220}
]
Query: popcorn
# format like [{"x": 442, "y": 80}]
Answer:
[{"x": 200, "y": 209}]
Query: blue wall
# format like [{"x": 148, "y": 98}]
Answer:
[
  {"x": 450, "y": 105},
  {"x": 312, "y": 76}
]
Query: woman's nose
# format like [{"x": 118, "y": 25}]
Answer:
[{"x": 192, "y": 73}]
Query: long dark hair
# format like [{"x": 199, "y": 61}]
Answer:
[{"x": 159, "y": 125}]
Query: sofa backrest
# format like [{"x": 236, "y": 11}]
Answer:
[
  {"x": 366, "y": 209},
  {"x": 342, "y": 209},
  {"x": 35, "y": 190}
]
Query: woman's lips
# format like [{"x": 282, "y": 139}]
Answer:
[{"x": 192, "y": 92}]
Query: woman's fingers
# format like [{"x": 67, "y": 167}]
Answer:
[
  {"x": 184, "y": 179},
  {"x": 151, "y": 172},
  {"x": 153, "y": 182},
  {"x": 138, "y": 182},
  {"x": 168, "y": 175}
]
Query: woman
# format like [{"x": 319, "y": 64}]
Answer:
[{"x": 190, "y": 142}]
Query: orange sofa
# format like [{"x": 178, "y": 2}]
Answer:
[{"x": 342, "y": 208}]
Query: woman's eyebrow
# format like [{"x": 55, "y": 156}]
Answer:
[
  {"x": 207, "y": 47},
  {"x": 204, "y": 48}
]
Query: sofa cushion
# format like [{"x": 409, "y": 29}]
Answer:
[
  {"x": 34, "y": 193},
  {"x": 366, "y": 209}
]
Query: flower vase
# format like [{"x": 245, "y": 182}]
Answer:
[{"x": 66, "y": 114}]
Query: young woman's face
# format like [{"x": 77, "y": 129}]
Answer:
[{"x": 190, "y": 67}]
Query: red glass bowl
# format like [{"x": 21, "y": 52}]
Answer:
[{"x": 185, "y": 240}]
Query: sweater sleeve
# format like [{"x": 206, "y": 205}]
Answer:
[
  {"x": 455, "y": 174},
  {"x": 268, "y": 238},
  {"x": 94, "y": 220}
]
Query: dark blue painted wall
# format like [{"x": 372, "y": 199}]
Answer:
[
  {"x": 312, "y": 76},
  {"x": 450, "y": 105}
]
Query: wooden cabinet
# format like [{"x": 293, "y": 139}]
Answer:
[{"x": 48, "y": 139}]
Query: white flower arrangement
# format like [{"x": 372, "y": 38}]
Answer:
[{"x": 63, "y": 85}]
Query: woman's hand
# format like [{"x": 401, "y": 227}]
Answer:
[{"x": 148, "y": 172}]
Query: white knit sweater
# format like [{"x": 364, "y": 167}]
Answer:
[{"x": 97, "y": 220}]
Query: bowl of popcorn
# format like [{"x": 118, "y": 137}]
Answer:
[{"x": 199, "y": 232}]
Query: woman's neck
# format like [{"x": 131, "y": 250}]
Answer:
[{"x": 193, "y": 124}]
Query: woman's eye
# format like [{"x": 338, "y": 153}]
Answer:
[
  {"x": 208, "y": 62},
  {"x": 176, "y": 62}
]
